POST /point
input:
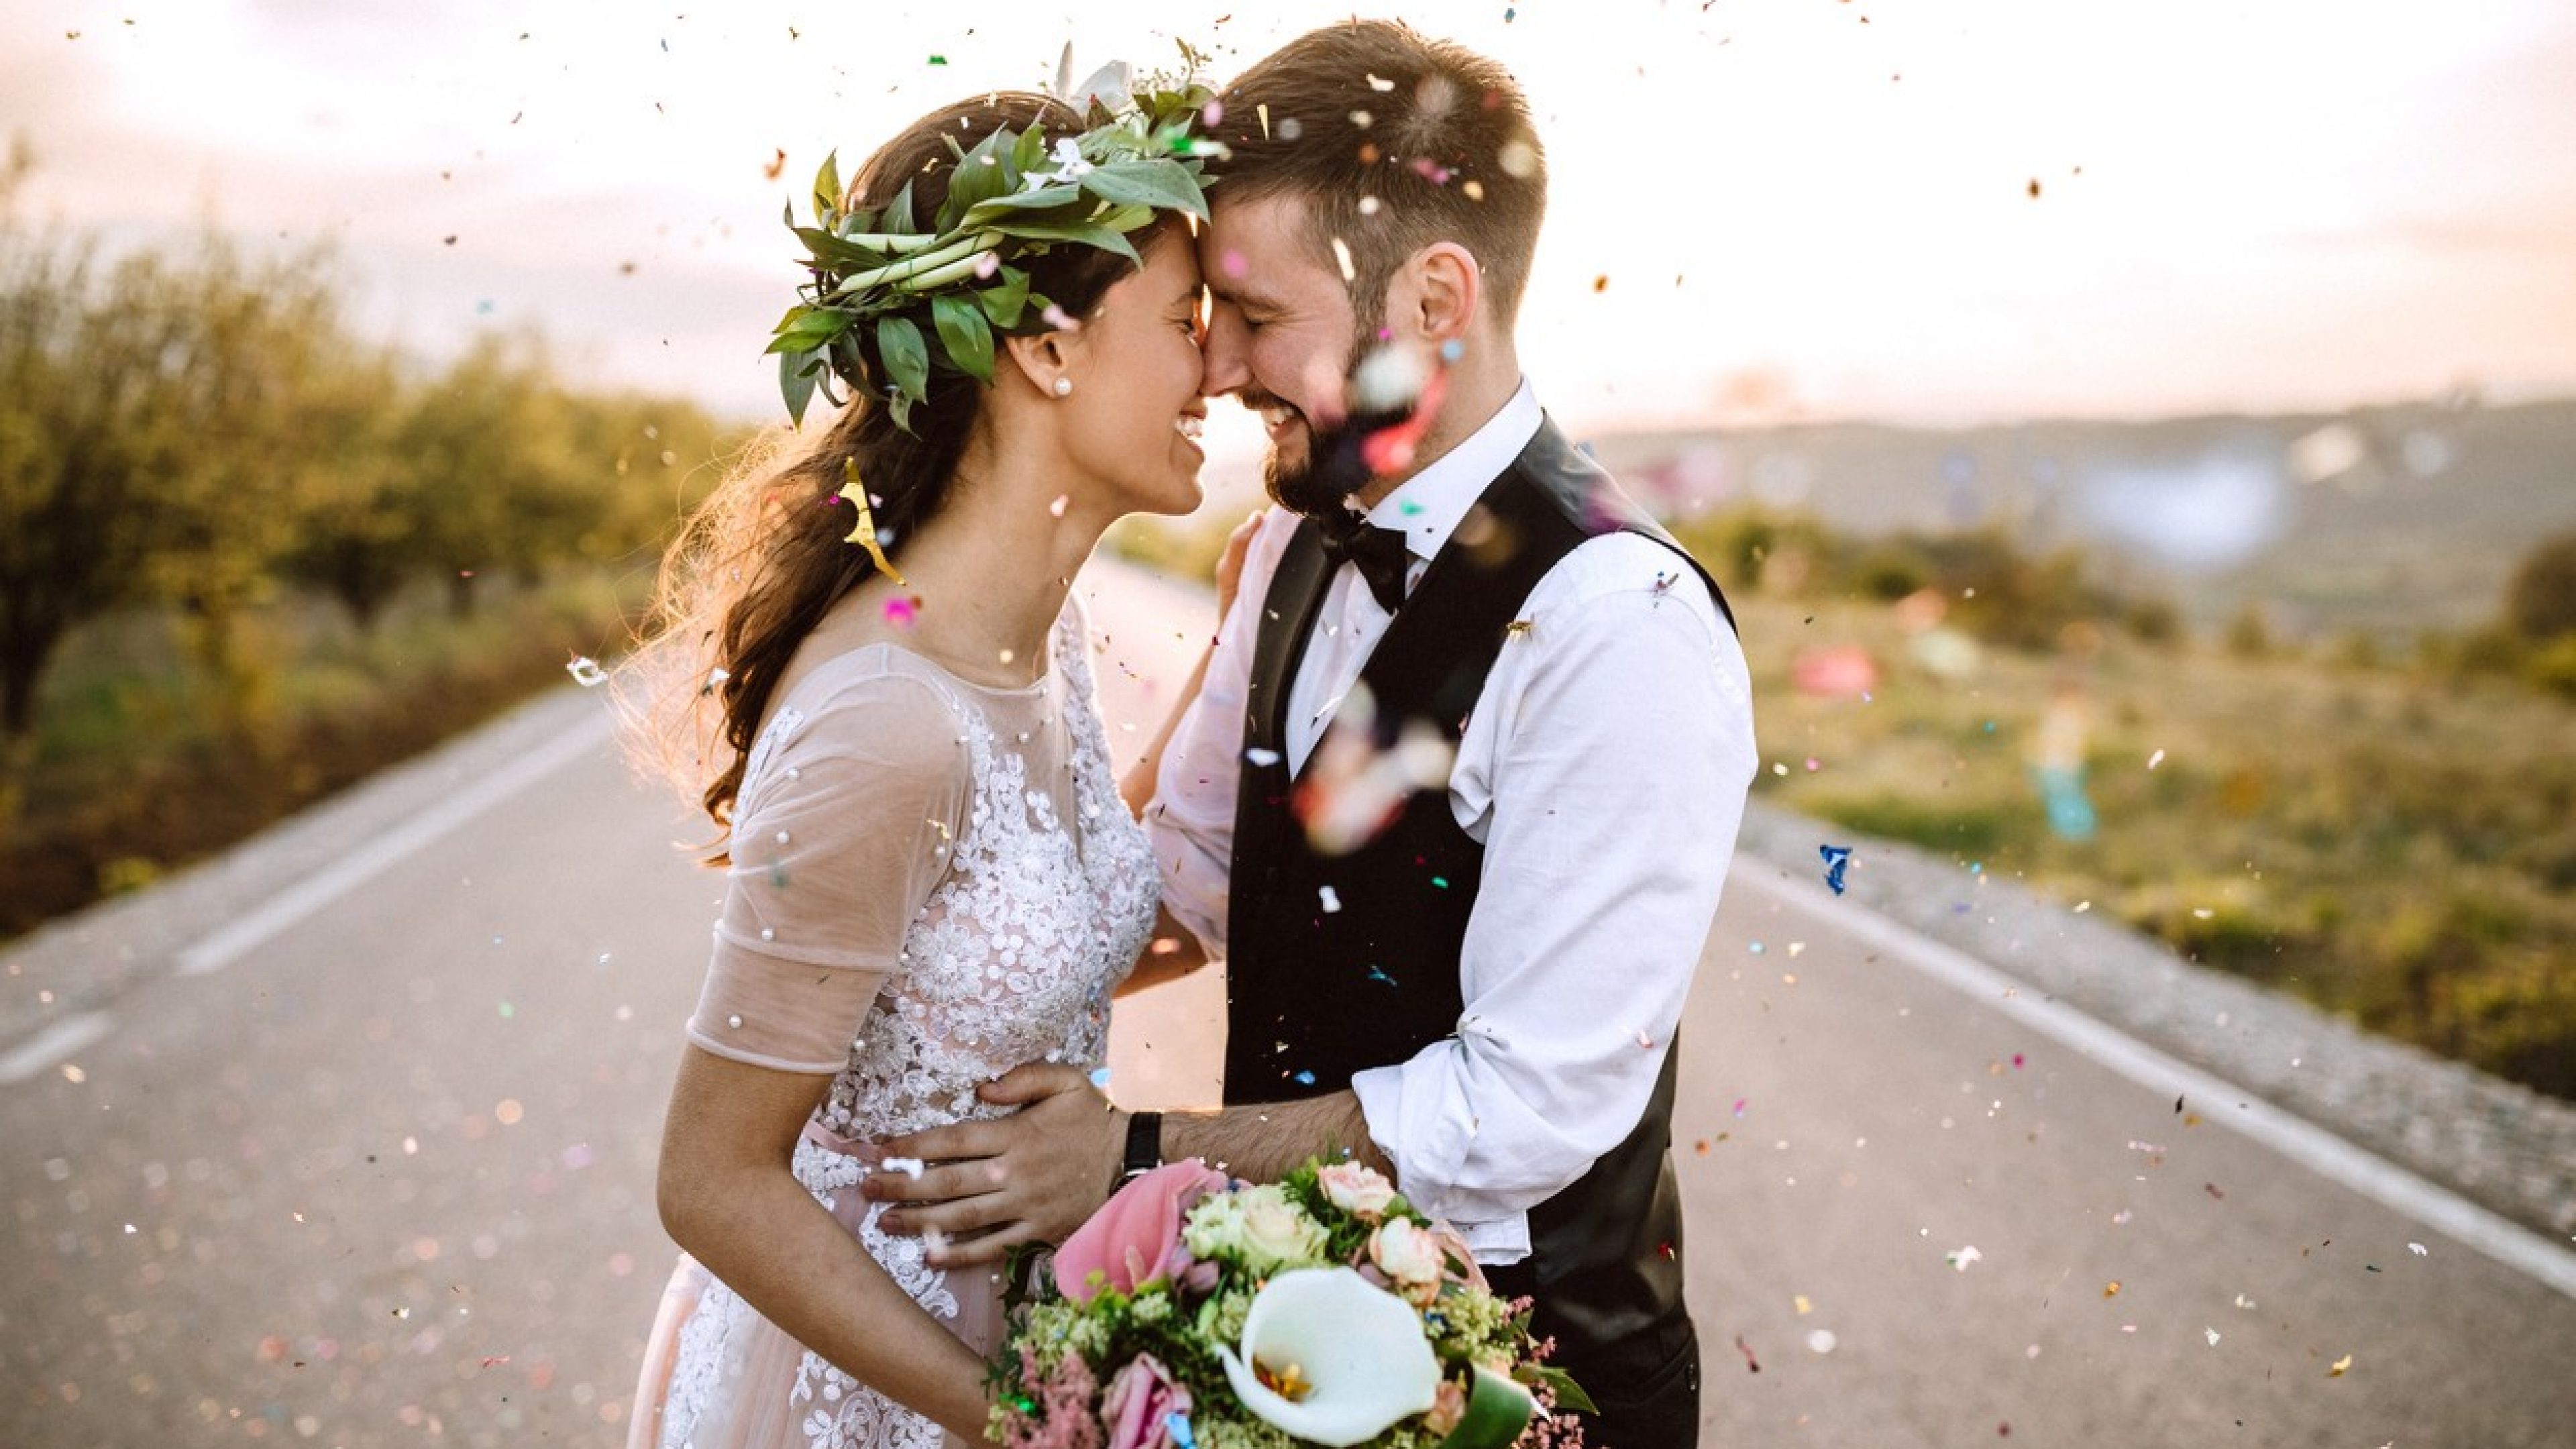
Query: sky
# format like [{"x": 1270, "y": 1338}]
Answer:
[{"x": 1760, "y": 209}]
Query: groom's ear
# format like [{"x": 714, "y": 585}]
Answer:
[{"x": 1437, "y": 293}]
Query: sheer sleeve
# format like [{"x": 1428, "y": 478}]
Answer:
[{"x": 845, "y": 828}]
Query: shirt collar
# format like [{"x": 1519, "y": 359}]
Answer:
[{"x": 1427, "y": 507}]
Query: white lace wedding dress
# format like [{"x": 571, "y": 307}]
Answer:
[{"x": 976, "y": 837}]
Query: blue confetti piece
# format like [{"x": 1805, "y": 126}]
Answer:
[
  {"x": 1178, "y": 1426},
  {"x": 1837, "y": 857},
  {"x": 1378, "y": 975},
  {"x": 1304, "y": 1079},
  {"x": 1100, "y": 1078}
]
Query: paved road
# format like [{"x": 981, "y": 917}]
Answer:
[{"x": 377, "y": 1171}]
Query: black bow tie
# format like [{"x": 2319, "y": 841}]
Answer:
[{"x": 1380, "y": 553}]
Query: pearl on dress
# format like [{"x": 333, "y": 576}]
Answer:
[
  {"x": 782, "y": 837},
  {"x": 768, "y": 934},
  {"x": 734, "y": 1021}
]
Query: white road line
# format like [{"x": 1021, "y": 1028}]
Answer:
[
  {"x": 2296, "y": 1138},
  {"x": 51, "y": 1045},
  {"x": 246, "y": 933}
]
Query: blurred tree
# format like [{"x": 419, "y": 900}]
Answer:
[
  {"x": 143, "y": 409},
  {"x": 2541, "y": 599},
  {"x": 358, "y": 540},
  {"x": 498, "y": 482}
]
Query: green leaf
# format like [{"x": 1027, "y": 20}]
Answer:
[
  {"x": 827, "y": 186},
  {"x": 1496, "y": 1413},
  {"x": 980, "y": 176},
  {"x": 814, "y": 328},
  {"x": 962, "y": 330},
  {"x": 797, "y": 372},
  {"x": 1006, "y": 299},
  {"x": 901, "y": 406},
  {"x": 1569, "y": 1394},
  {"x": 898, "y": 213},
  {"x": 993, "y": 209},
  {"x": 907, "y": 357},
  {"x": 1086, "y": 233},
  {"x": 1029, "y": 152},
  {"x": 1161, "y": 184},
  {"x": 836, "y": 253}
]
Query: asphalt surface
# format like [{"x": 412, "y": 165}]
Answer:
[{"x": 376, "y": 1169}]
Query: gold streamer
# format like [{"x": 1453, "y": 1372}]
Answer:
[{"x": 865, "y": 534}]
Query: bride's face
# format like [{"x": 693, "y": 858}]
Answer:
[
  {"x": 1136, "y": 411},
  {"x": 1280, "y": 324}
]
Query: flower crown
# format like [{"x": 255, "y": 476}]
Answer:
[{"x": 1011, "y": 197}]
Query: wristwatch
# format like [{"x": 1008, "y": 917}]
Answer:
[{"x": 1144, "y": 1145}]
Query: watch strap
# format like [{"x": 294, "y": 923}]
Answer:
[{"x": 1144, "y": 1145}]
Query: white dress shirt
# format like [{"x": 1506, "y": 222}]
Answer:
[{"x": 1603, "y": 768}]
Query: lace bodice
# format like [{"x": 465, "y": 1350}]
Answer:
[{"x": 1045, "y": 895}]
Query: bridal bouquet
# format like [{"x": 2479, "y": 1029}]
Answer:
[{"x": 1193, "y": 1312}]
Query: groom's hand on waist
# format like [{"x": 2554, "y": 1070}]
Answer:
[{"x": 1032, "y": 1176}]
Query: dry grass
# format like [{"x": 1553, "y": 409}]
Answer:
[{"x": 2389, "y": 844}]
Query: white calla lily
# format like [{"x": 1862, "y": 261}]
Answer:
[{"x": 1358, "y": 1348}]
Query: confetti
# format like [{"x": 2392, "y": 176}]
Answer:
[
  {"x": 1804, "y": 1307},
  {"x": 2212, "y": 1335},
  {"x": 1100, "y": 1078},
  {"x": 1747, "y": 1350},
  {"x": 586, "y": 672},
  {"x": 2417, "y": 1249},
  {"x": 1304, "y": 1079},
  {"x": 2111, "y": 1289},
  {"x": 2155, "y": 759},
  {"x": 1261, "y": 757},
  {"x": 903, "y": 610},
  {"x": 911, "y": 1167},
  {"x": 1329, "y": 898},
  {"x": 1963, "y": 1257},
  {"x": 1837, "y": 858},
  {"x": 2338, "y": 1368},
  {"x": 775, "y": 164},
  {"x": 1820, "y": 1341}
]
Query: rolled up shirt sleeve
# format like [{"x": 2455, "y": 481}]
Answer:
[{"x": 1605, "y": 771}]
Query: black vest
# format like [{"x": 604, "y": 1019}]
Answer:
[{"x": 1338, "y": 963}]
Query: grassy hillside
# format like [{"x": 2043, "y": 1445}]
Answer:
[{"x": 2384, "y": 520}]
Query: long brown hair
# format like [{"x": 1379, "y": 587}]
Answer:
[{"x": 756, "y": 566}]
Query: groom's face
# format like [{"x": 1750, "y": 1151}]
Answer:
[{"x": 1282, "y": 335}]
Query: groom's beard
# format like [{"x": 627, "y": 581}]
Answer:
[{"x": 1333, "y": 468}]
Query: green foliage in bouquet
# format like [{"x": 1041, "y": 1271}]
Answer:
[
  {"x": 1174, "y": 1315},
  {"x": 932, "y": 293}
]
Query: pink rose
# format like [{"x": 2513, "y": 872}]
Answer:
[
  {"x": 1410, "y": 1257},
  {"x": 1447, "y": 1408},
  {"x": 1357, "y": 1189},
  {"x": 1461, "y": 1258},
  {"x": 1139, "y": 1406},
  {"x": 1136, "y": 1236}
]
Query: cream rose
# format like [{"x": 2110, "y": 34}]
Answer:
[
  {"x": 1357, "y": 1189},
  {"x": 1410, "y": 1257},
  {"x": 1258, "y": 1226},
  {"x": 1276, "y": 1232}
]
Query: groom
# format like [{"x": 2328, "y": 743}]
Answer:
[{"x": 1458, "y": 794}]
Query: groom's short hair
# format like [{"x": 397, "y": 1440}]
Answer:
[{"x": 1394, "y": 140}]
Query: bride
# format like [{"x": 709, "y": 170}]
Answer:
[{"x": 931, "y": 877}]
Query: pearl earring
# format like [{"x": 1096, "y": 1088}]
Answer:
[{"x": 1064, "y": 387}]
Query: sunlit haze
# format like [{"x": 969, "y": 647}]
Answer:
[{"x": 1761, "y": 208}]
